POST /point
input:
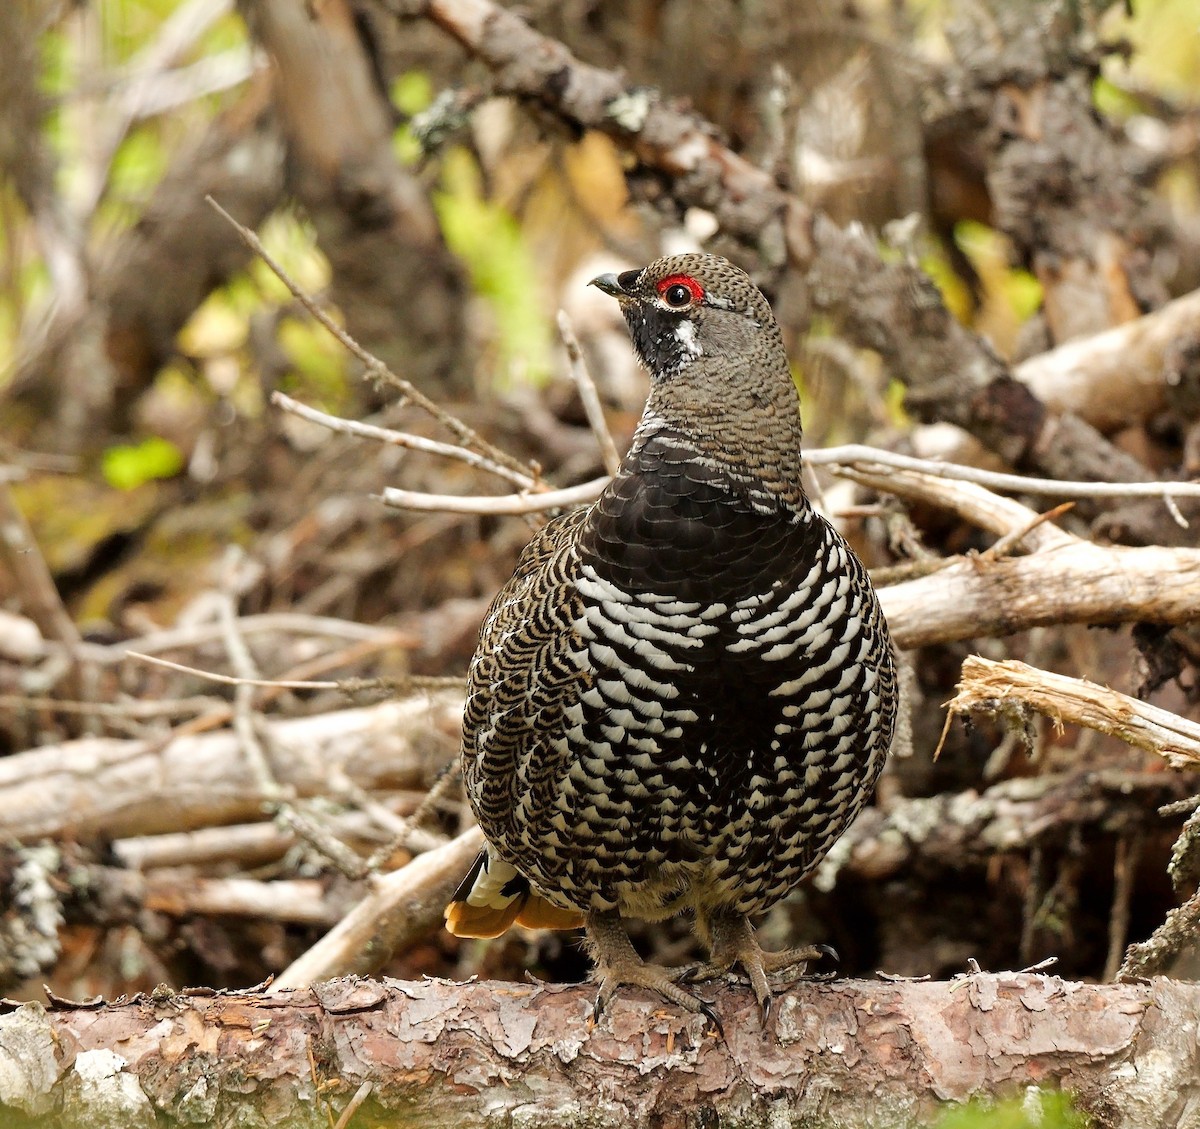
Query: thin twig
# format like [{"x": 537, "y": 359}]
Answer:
[
  {"x": 402, "y": 439},
  {"x": 1010, "y": 542},
  {"x": 494, "y": 504},
  {"x": 411, "y": 682},
  {"x": 588, "y": 395},
  {"x": 847, "y": 461},
  {"x": 247, "y": 670},
  {"x": 857, "y": 454},
  {"x": 229, "y": 679},
  {"x": 1129, "y": 851},
  {"x": 360, "y": 1096},
  {"x": 374, "y": 366}
]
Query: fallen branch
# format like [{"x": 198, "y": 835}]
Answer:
[
  {"x": 958, "y": 830},
  {"x": 111, "y": 787},
  {"x": 1117, "y": 378},
  {"x": 866, "y": 1053},
  {"x": 854, "y": 461},
  {"x": 401, "y": 908},
  {"x": 990, "y": 687},
  {"x": 1075, "y": 583}
]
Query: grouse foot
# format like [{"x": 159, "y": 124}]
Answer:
[
  {"x": 732, "y": 942},
  {"x": 617, "y": 964}
]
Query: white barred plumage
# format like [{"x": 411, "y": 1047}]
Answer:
[{"x": 687, "y": 690}]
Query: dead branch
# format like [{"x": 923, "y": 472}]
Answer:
[
  {"x": 110, "y": 787},
  {"x": 481, "y": 1055},
  {"x": 401, "y": 908},
  {"x": 989, "y": 686},
  {"x": 954, "y": 831},
  {"x": 1076, "y": 583},
  {"x": 1117, "y": 378},
  {"x": 251, "y": 844}
]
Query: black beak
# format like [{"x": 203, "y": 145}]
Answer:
[{"x": 609, "y": 284}]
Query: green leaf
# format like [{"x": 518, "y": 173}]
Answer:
[{"x": 127, "y": 467}]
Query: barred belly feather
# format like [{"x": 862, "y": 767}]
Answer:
[{"x": 687, "y": 690}]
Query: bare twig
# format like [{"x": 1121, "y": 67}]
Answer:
[
  {"x": 402, "y": 439},
  {"x": 374, "y": 366},
  {"x": 861, "y": 457},
  {"x": 247, "y": 671},
  {"x": 588, "y": 395},
  {"x": 413, "y": 683},
  {"x": 1129, "y": 851},
  {"x": 36, "y": 586},
  {"x": 1012, "y": 541},
  {"x": 871, "y": 465},
  {"x": 360, "y": 1096},
  {"x": 232, "y": 680},
  {"x": 498, "y": 504}
]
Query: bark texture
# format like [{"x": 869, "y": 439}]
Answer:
[{"x": 861, "y": 1053}]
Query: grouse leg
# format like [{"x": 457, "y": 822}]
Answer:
[
  {"x": 617, "y": 964},
  {"x": 732, "y": 942}
]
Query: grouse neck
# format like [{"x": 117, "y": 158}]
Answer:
[{"x": 757, "y": 443}]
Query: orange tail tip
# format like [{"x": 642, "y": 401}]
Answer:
[
  {"x": 465, "y": 920},
  {"x": 494, "y": 896}
]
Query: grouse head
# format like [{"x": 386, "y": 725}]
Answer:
[{"x": 686, "y": 309}]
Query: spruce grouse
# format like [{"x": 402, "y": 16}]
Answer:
[{"x": 687, "y": 690}]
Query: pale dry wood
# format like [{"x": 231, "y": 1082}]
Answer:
[
  {"x": 402, "y": 439},
  {"x": 870, "y": 1054},
  {"x": 254, "y": 843},
  {"x": 1074, "y": 583},
  {"x": 988, "y": 686},
  {"x": 970, "y": 501},
  {"x": 302, "y": 901},
  {"x": 1117, "y": 378},
  {"x": 400, "y": 908},
  {"x": 494, "y": 504},
  {"x": 588, "y": 395},
  {"x": 111, "y": 787}
]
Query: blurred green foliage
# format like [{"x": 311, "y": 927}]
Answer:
[
  {"x": 487, "y": 237},
  {"x": 129, "y": 466},
  {"x": 1037, "y": 1110}
]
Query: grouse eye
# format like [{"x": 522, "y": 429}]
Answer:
[{"x": 680, "y": 291}]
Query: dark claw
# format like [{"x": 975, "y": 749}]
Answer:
[
  {"x": 830, "y": 952},
  {"x": 706, "y": 1010},
  {"x": 764, "y": 1006},
  {"x": 598, "y": 1008}
]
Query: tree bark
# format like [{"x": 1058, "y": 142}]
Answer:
[{"x": 863, "y": 1053}]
